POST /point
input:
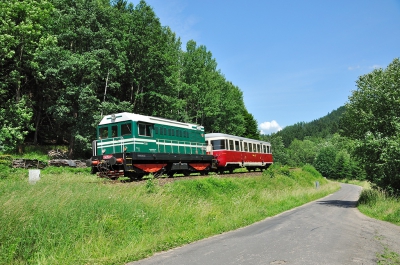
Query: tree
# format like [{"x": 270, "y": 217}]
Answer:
[
  {"x": 302, "y": 152},
  {"x": 325, "y": 161},
  {"x": 372, "y": 119},
  {"x": 21, "y": 34},
  {"x": 251, "y": 126}
]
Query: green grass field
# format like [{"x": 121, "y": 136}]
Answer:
[{"x": 72, "y": 217}]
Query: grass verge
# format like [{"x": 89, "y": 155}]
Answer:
[
  {"x": 72, "y": 217},
  {"x": 377, "y": 204}
]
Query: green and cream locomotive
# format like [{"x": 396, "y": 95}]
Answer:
[{"x": 135, "y": 145}]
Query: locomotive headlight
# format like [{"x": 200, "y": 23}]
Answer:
[{"x": 103, "y": 151}]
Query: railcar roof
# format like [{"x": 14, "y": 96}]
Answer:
[
  {"x": 126, "y": 116},
  {"x": 223, "y": 136}
]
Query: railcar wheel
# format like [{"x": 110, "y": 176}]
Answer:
[
  {"x": 231, "y": 170},
  {"x": 186, "y": 173},
  {"x": 221, "y": 171}
]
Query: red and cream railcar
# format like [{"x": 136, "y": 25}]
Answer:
[{"x": 238, "y": 152}]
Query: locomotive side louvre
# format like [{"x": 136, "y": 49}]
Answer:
[
  {"x": 134, "y": 145},
  {"x": 238, "y": 152}
]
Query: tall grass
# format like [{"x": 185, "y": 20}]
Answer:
[
  {"x": 72, "y": 217},
  {"x": 378, "y": 204}
]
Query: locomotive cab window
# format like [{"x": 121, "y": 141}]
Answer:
[
  {"x": 114, "y": 131},
  {"x": 144, "y": 129},
  {"x": 126, "y": 129},
  {"x": 103, "y": 133}
]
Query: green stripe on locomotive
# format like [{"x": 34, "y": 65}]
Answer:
[{"x": 148, "y": 136}]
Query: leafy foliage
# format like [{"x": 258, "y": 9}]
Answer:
[
  {"x": 64, "y": 64},
  {"x": 372, "y": 119}
]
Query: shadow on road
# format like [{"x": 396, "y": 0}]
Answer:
[{"x": 339, "y": 203}]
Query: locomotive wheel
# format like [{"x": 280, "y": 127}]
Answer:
[{"x": 221, "y": 171}]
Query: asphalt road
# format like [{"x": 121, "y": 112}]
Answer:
[{"x": 327, "y": 231}]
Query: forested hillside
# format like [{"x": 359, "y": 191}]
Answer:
[
  {"x": 65, "y": 63},
  {"x": 322, "y": 127}
]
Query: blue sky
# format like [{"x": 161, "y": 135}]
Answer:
[{"x": 294, "y": 60}]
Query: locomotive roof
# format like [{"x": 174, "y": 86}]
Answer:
[
  {"x": 223, "y": 135},
  {"x": 126, "y": 116}
]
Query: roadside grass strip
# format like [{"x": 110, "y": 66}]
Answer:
[{"x": 73, "y": 217}]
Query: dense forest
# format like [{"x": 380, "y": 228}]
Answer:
[
  {"x": 322, "y": 128},
  {"x": 65, "y": 63}
]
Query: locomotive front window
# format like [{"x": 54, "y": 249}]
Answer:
[
  {"x": 126, "y": 129},
  {"x": 144, "y": 129},
  {"x": 103, "y": 133},
  {"x": 114, "y": 131},
  {"x": 218, "y": 144}
]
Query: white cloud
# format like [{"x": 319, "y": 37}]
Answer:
[
  {"x": 375, "y": 66},
  {"x": 351, "y": 68},
  {"x": 270, "y": 127}
]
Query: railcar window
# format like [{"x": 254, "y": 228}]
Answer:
[
  {"x": 264, "y": 149},
  {"x": 114, "y": 131},
  {"x": 173, "y": 132},
  {"x": 250, "y": 147},
  {"x": 268, "y": 149},
  {"x": 231, "y": 146},
  {"x": 126, "y": 129},
  {"x": 245, "y": 147},
  {"x": 258, "y": 148},
  {"x": 169, "y": 132},
  {"x": 237, "y": 147},
  {"x": 103, "y": 132},
  {"x": 145, "y": 129},
  {"x": 156, "y": 130},
  {"x": 218, "y": 144},
  {"x": 165, "y": 131}
]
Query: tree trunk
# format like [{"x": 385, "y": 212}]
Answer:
[
  {"x": 37, "y": 122},
  {"x": 71, "y": 147}
]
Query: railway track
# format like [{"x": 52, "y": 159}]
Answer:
[{"x": 164, "y": 180}]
